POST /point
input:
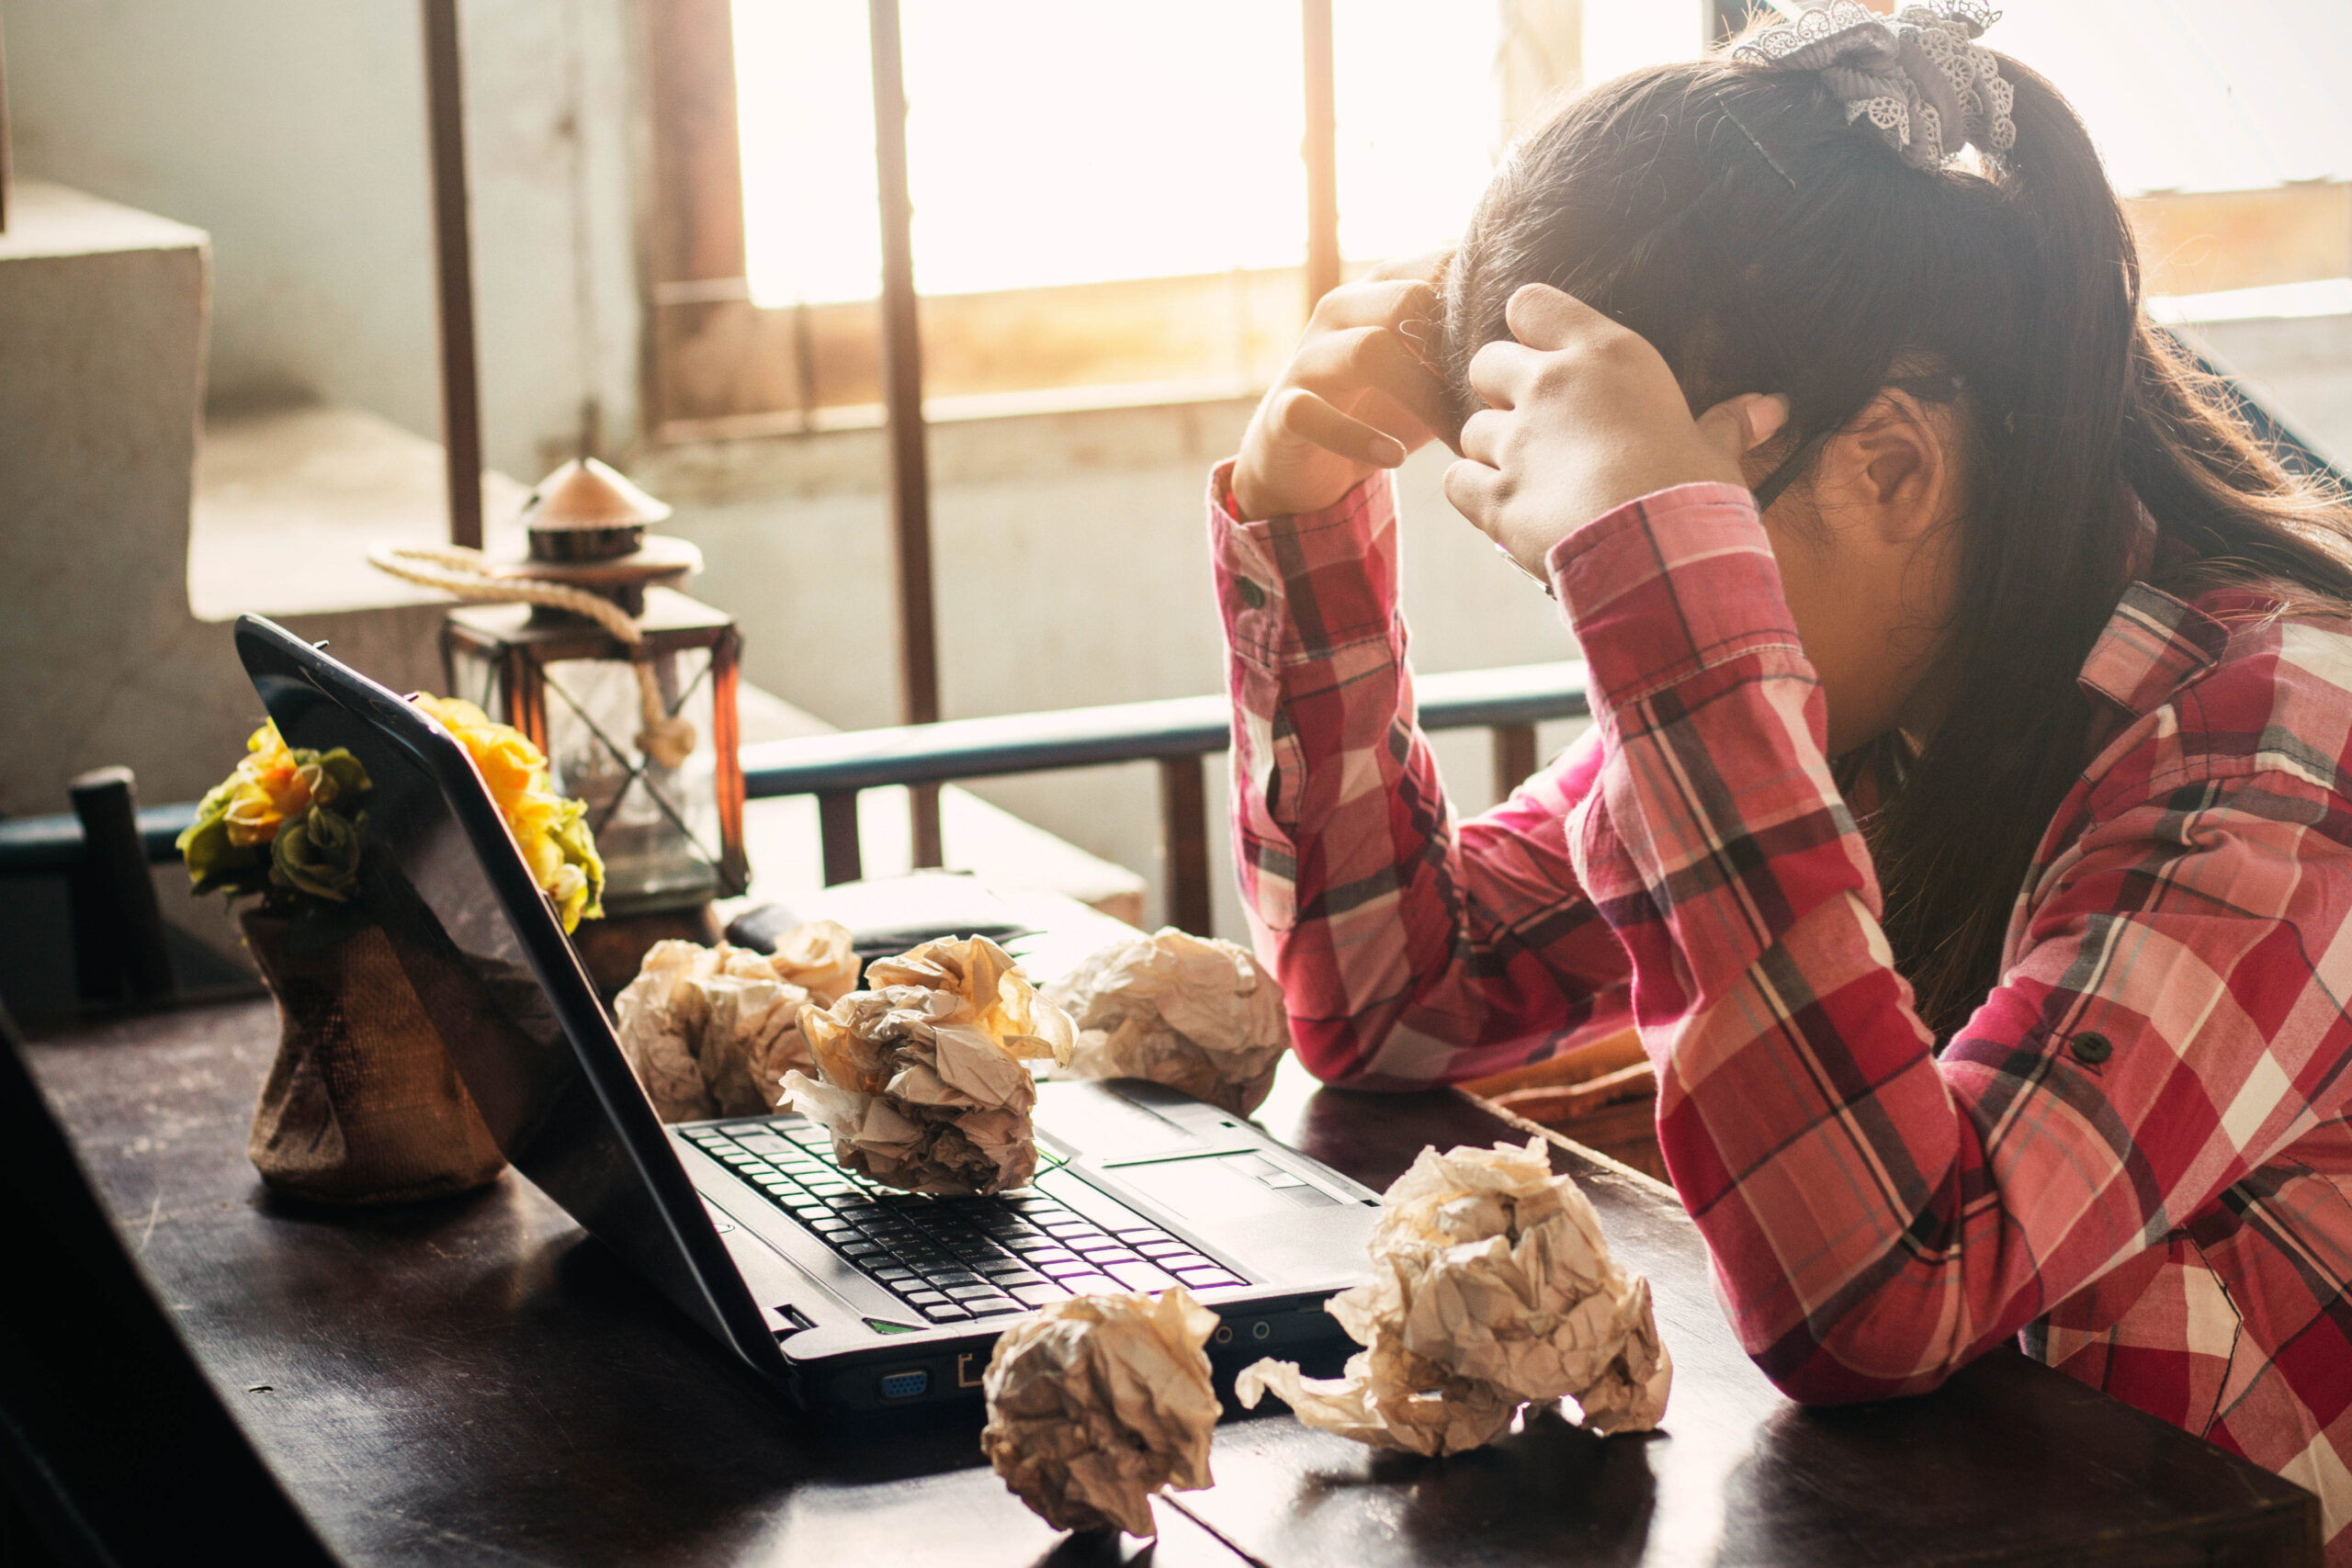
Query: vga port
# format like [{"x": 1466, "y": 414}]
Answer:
[{"x": 905, "y": 1386}]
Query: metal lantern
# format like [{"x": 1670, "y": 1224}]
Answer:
[{"x": 646, "y": 733}]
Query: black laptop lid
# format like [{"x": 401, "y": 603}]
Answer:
[{"x": 442, "y": 876}]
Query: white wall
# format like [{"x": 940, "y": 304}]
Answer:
[
  {"x": 294, "y": 133},
  {"x": 1072, "y": 570}
]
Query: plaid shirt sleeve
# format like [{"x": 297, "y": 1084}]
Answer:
[
  {"x": 1877, "y": 1215},
  {"x": 1412, "y": 950}
]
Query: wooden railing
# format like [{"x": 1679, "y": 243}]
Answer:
[{"x": 1179, "y": 734}]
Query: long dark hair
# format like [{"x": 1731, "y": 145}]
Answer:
[{"x": 1731, "y": 216}]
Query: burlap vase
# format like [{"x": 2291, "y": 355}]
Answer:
[{"x": 363, "y": 1104}]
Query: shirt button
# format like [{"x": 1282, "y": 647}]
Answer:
[
  {"x": 1251, "y": 594},
  {"x": 2092, "y": 1049}
]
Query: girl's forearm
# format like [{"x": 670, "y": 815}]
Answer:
[{"x": 1411, "y": 951}]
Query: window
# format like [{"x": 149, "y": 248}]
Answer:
[
  {"x": 1109, "y": 200},
  {"x": 1109, "y": 203},
  {"x": 1067, "y": 142}
]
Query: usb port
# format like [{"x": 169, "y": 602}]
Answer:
[{"x": 905, "y": 1386}]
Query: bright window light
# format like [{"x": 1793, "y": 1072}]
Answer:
[
  {"x": 1055, "y": 141},
  {"x": 1058, "y": 142}
]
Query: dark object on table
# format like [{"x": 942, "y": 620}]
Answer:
[
  {"x": 612, "y": 950},
  {"x": 119, "y": 942},
  {"x": 363, "y": 1104},
  {"x": 111, "y": 1443},
  {"x": 889, "y": 915}
]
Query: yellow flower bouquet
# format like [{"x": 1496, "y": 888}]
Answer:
[
  {"x": 551, "y": 832},
  {"x": 364, "y": 1104},
  {"x": 285, "y": 823}
]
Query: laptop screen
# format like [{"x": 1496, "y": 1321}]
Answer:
[{"x": 442, "y": 880}]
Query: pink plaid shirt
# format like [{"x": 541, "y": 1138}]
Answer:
[{"x": 2135, "y": 1155}]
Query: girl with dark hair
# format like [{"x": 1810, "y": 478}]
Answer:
[{"x": 1965, "y": 821}]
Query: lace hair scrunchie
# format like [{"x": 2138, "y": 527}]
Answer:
[{"x": 1918, "y": 76}]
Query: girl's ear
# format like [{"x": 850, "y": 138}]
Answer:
[{"x": 1894, "y": 471}]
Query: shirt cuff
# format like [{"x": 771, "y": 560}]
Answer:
[
  {"x": 1301, "y": 587},
  {"x": 1669, "y": 585}
]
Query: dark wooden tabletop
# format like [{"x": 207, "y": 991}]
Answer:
[{"x": 474, "y": 1381}]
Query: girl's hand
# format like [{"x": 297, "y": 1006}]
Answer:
[
  {"x": 1357, "y": 396},
  {"x": 1583, "y": 416}
]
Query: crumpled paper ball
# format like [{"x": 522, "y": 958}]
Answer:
[
  {"x": 711, "y": 1030},
  {"x": 920, "y": 1080},
  {"x": 1183, "y": 1011},
  {"x": 1492, "y": 1287},
  {"x": 1095, "y": 1402}
]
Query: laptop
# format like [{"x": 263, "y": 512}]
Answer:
[{"x": 843, "y": 1295}]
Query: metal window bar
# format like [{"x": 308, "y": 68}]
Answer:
[{"x": 1179, "y": 734}]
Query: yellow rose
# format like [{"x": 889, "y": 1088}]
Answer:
[
  {"x": 551, "y": 832},
  {"x": 228, "y": 848},
  {"x": 270, "y": 788}
]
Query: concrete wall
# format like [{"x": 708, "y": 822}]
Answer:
[
  {"x": 294, "y": 135},
  {"x": 106, "y": 661},
  {"x": 1071, "y": 569}
]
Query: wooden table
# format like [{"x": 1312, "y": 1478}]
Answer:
[{"x": 474, "y": 1381}]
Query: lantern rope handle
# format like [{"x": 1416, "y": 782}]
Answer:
[{"x": 465, "y": 574}]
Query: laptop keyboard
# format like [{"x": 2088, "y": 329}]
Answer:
[{"x": 955, "y": 1259}]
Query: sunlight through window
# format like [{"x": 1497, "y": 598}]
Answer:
[{"x": 1057, "y": 141}]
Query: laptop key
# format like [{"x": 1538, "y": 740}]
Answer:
[
  {"x": 859, "y": 1251},
  {"x": 1180, "y": 1261},
  {"x": 1033, "y": 1243},
  {"x": 891, "y": 1273},
  {"x": 968, "y": 1293},
  {"x": 994, "y": 1306},
  {"x": 945, "y": 1313},
  {"x": 1141, "y": 1276},
  {"x": 1207, "y": 1278},
  {"x": 1109, "y": 1252},
  {"x": 1063, "y": 1269},
  {"x": 1163, "y": 1247},
  {"x": 1039, "y": 1294},
  {"x": 1088, "y": 1284}
]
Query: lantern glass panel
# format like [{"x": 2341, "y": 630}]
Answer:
[
  {"x": 657, "y": 828},
  {"x": 672, "y": 837},
  {"x": 473, "y": 678}
]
